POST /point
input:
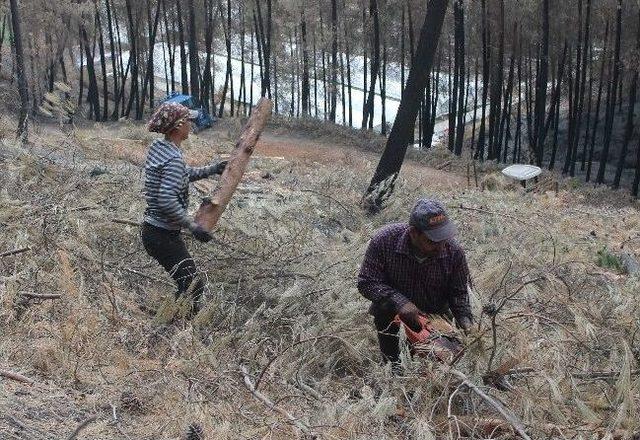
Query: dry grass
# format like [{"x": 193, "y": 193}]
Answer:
[{"x": 282, "y": 304}]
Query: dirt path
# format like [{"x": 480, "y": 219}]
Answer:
[{"x": 321, "y": 150}]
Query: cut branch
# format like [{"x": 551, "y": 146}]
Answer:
[
  {"x": 211, "y": 210},
  {"x": 269, "y": 404},
  {"x": 493, "y": 403},
  {"x": 81, "y": 426},
  {"x": 16, "y": 376}
]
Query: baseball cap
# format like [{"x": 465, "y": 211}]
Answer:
[{"x": 430, "y": 217}]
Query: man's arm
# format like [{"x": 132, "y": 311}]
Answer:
[
  {"x": 372, "y": 279},
  {"x": 458, "y": 292}
]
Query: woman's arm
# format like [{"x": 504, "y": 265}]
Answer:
[{"x": 197, "y": 173}]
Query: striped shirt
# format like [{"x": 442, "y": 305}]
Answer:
[
  {"x": 166, "y": 185},
  {"x": 391, "y": 276}
]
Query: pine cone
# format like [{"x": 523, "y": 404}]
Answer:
[
  {"x": 195, "y": 432},
  {"x": 131, "y": 402}
]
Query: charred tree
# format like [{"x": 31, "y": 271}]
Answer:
[
  {"x": 383, "y": 181},
  {"x": 16, "y": 25},
  {"x": 194, "y": 67},
  {"x": 617, "y": 65},
  {"x": 375, "y": 64}
]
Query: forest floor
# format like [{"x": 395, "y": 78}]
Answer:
[{"x": 283, "y": 313}]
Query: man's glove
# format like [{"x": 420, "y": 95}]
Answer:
[
  {"x": 199, "y": 233},
  {"x": 465, "y": 324},
  {"x": 220, "y": 166},
  {"x": 410, "y": 315}
]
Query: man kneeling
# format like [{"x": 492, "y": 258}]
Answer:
[{"x": 415, "y": 268}]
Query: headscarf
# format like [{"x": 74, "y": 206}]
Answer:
[{"x": 168, "y": 116}]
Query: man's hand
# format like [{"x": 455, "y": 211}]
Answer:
[
  {"x": 410, "y": 314},
  {"x": 200, "y": 234},
  {"x": 220, "y": 166},
  {"x": 465, "y": 324}
]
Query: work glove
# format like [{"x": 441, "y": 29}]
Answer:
[
  {"x": 465, "y": 324},
  {"x": 220, "y": 166},
  {"x": 199, "y": 233},
  {"x": 410, "y": 315}
]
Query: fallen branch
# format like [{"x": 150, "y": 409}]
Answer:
[
  {"x": 15, "y": 251},
  {"x": 211, "y": 210},
  {"x": 41, "y": 295},
  {"x": 16, "y": 376},
  {"x": 144, "y": 275},
  {"x": 81, "y": 426},
  {"x": 504, "y": 412},
  {"x": 126, "y": 222},
  {"x": 602, "y": 374},
  {"x": 269, "y": 404}
]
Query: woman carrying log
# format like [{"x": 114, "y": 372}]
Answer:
[{"x": 166, "y": 190}]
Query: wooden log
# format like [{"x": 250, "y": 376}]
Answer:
[{"x": 211, "y": 210}]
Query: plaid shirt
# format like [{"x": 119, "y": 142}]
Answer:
[{"x": 391, "y": 275}]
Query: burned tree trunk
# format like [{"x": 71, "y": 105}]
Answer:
[
  {"x": 375, "y": 65},
  {"x": 183, "y": 52},
  {"x": 460, "y": 72},
  {"x": 334, "y": 61},
  {"x": 194, "y": 66},
  {"x": 630, "y": 115},
  {"x": 541, "y": 87},
  {"x": 306, "y": 98},
  {"x": 617, "y": 66},
  {"x": 383, "y": 181},
  {"x": 16, "y": 25},
  {"x": 598, "y": 103}
]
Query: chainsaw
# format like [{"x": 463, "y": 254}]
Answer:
[{"x": 436, "y": 340}]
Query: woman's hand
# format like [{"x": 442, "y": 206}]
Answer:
[
  {"x": 220, "y": 167},
  {"x": 199, "y": 233}
]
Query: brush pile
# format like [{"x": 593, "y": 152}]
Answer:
[{"x": 284, "y": 347}]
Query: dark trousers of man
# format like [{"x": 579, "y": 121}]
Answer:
[
  {"x": 170, "y": 251},
  {"x": 388, "y": 340}
]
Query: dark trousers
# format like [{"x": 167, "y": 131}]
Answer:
[
  {"x": 170, "y": 251},
  {"x": 387, "y": 332}
]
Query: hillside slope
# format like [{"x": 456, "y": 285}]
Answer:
[{"x": 282, "y": 304}]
